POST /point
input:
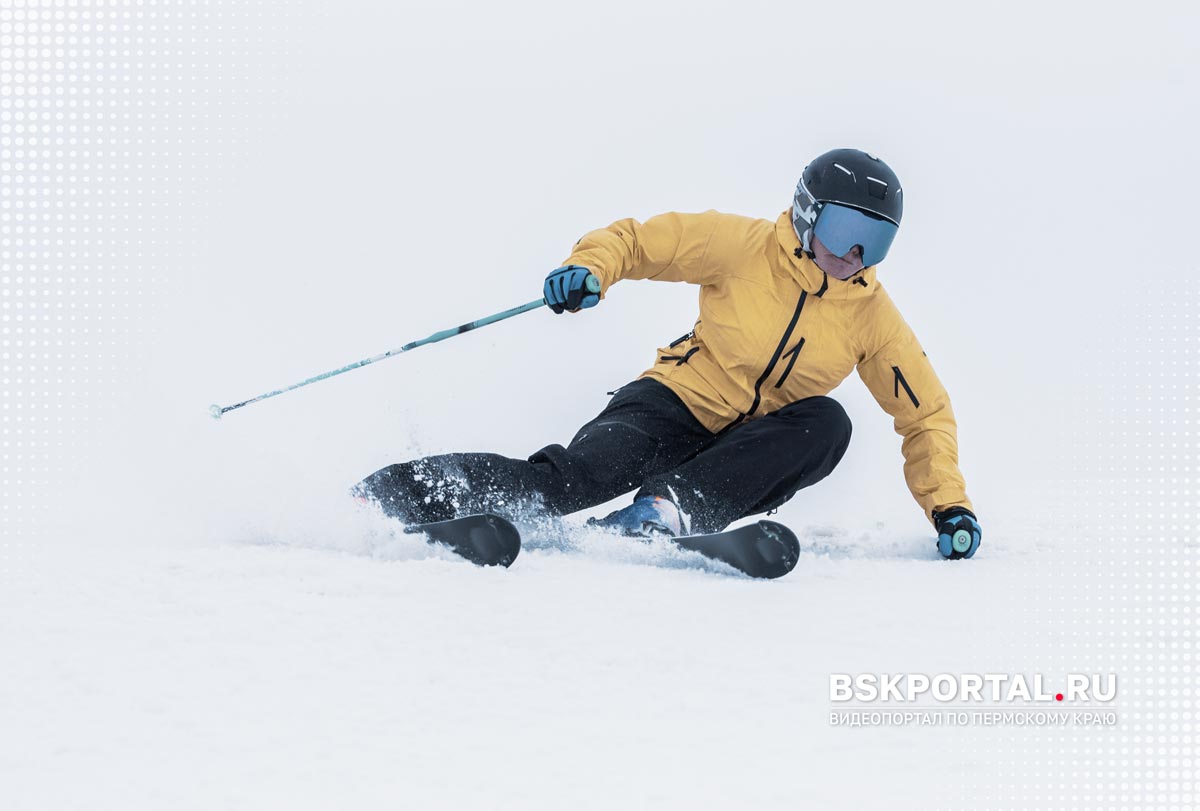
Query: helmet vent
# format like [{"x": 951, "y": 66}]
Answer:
[{"x": 851, "y": 178}]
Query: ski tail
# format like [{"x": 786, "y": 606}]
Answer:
[
  {"x": 484, "y": 539},
  {"x": 765, "y": 549}
]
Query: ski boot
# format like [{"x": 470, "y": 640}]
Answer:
[{"x": 646, "y": 517}]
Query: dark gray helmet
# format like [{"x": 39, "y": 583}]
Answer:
[{"x": 855, "y": 180}]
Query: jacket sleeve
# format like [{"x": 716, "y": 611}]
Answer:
[
  {"x": 903, "y": 382},
  {"x": 669, "y": 247}
]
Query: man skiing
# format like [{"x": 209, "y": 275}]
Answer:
[{"x": 732, "y": 419}]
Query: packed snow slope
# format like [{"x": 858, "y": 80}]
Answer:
[{"x": 204, "y": 619}]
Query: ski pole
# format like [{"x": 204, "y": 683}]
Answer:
[{"x": 217, "y": 411}]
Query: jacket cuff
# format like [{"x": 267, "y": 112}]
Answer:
[
  {"x": 950, "y": 512},
  {"x": 943, "y": 501},
  {"x": 606, "y": 281}
]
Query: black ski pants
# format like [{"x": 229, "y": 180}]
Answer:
[{"x": 647, "y": 439}]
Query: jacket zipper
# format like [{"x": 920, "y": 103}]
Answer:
[
  {"x": 900, "y": 381},
  {"x": 793, "y": 354},
  {"x": 783, "y": 342},
  {"x": 681, "y": 339}
]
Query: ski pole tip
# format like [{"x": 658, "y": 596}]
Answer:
[{"x": 215, "y": 411}]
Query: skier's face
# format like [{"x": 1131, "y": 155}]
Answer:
[{"x": 839, "y": 267}]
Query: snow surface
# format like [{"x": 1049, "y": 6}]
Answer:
[
  {"x": 207, "y": 621},
  {"x": 348, "y": 666}
]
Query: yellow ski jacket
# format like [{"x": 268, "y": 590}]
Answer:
[{"x": 774, "y": 328}]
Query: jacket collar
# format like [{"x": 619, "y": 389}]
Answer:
[{"x": 816, "y": 281}]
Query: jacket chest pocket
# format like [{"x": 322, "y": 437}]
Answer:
[
  {"x": 811, "y": 365},
  {"x": 790, "y": 358}
]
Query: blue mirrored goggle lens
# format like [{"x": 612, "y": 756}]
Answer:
[{"x": 840, "y": 228}]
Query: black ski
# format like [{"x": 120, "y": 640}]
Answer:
[
  {"x": 484, "y": 539},
  {"x": 765, "y": 549}
]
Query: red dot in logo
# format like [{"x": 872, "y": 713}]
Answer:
[{"x": 1058, "y": 697}]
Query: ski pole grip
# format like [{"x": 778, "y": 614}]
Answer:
[{"x": 592, "y": 283}]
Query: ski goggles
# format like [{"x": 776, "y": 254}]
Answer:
[{"x": 840, "y": 228}]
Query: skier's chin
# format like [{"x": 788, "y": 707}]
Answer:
[{"x": 839, "y": 270}]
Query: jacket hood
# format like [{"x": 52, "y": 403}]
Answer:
[{"x": 812, "y": 278}]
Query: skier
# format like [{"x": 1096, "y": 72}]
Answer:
[{"x": 733, "y": 418}]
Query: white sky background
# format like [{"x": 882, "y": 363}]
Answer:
[{"x": 377, "y": 173}]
